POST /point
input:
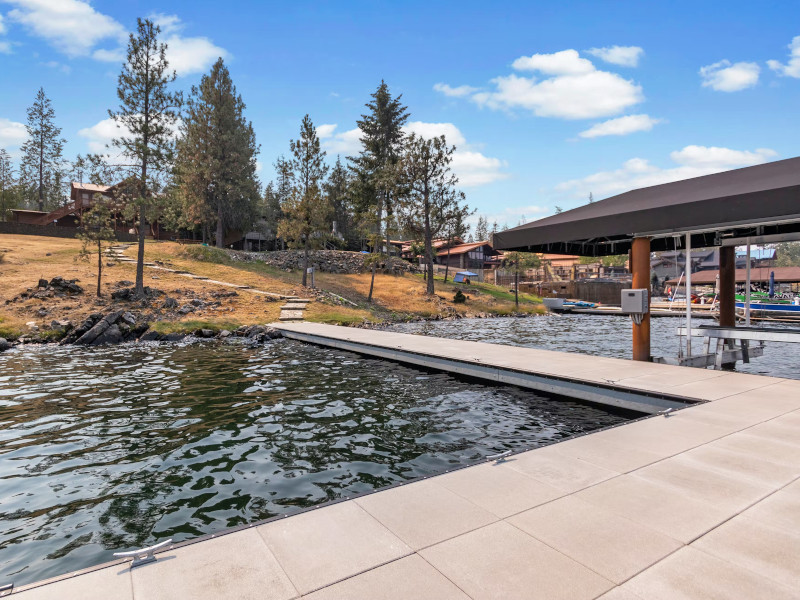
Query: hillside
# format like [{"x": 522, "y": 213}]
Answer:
[{"x": 339, "y": 299}]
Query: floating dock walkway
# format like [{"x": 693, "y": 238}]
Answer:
[
  {"x": 643, "y": 387},
  {"x": 700, "y": 504}
]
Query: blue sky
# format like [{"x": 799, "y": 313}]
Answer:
[{"x": 545, "y": 101}]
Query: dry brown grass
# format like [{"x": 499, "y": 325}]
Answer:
[{"x": 28, "y": 258}]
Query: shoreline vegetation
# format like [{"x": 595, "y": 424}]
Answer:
[{"x": 48, "y": 294}]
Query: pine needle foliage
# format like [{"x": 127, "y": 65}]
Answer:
[
  {"x": 306, "y": 212},
  {"x": 147, "y": 118},
  {"x": 42, "y": 164},
  {"x": 216, "y": 165}
]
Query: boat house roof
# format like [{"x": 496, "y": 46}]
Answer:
[
  {"x": 757, "y": 274},
  {"x": 763, "y": 200}
]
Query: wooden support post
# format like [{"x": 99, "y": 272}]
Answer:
[
  {"x": 727, "y": 293},
  {"x": 640, "y": 268},
  {"x": 727, "y": 286}
]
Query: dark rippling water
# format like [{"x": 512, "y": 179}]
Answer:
[
  {"x": 598, "y": 335},
  {"x": 119, "y": 447}
]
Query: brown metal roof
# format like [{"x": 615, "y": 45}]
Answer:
[
  {"x": 462, "y": 248},
  {"x": 741, "y": 202},
  {"x": 759, "y": 274}
]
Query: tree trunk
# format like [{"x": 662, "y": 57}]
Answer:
[
  {"x": 41, "y": 169},
  {"x": 447, "y": 266},
  {"x": 221, "y": 231},
  {"x": 430, "y": 290},
  {"x": 305, "y": 262},
  {"x": 516, "y": 288},
  {"x": 99, "y": 265},
  {"x": 138, "y": 291},
  {"x": 376, "y": 250},
  {"x": 372, "y": 282}
]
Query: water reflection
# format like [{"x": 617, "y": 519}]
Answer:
[{"x": 118, "y": 447}]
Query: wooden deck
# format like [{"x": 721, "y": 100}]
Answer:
[{"x": 700, "y": 504}]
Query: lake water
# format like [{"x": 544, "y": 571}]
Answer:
[
  {"x": 597, "y": 335},
  {"x": 119, "y": 447}
]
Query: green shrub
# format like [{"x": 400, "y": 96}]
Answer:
[{"x": 459, "y": 298}]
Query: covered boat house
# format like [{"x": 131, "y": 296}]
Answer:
[{"x": 753, "y": 205}]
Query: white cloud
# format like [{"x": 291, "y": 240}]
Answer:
[
  {"x": 691, "y": 161},
  {"x": 574, "y": 90},
  {"x": 792, "y": 68},
  {"x": 189, "y": 55},
  {"x": 75, "y": 28},
  {"x": 2, "y": 25},
  {"x": 12, "y": 134},
  {"x": 566, "y": 62},
  {"x": 451, "y": 133},
  {"x": 326, "y": 131},
  {"x": 186, "y": 55},
  {"x": 346, "y": 143},
  {"x": 720, "y": 158},
  {"x": 472, "y": 167},
  {"x": 455, "y": 92},
  {"x": 511, "y": 216},
  {"x": 105, "y": 55},
  {"x": 620, "y": 126},
  {"x": 726, "y": 77},
  {"x": 625, "y": 56},
  {"x": 99, "y": 136},
  {"x": 72, "y": 26}
]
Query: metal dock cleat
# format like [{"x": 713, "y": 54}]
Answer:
[
  {"x": 144, "y": 555},
  {"x": 499, "y": 458}
]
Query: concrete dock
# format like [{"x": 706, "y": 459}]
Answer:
[{"x": 702, "y": 503}]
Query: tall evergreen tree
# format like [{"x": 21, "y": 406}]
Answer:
[
  {"x": 376, "y": 166},
  {"x": 482, "y": 229},
  {"x": 456, "y": 229},
  {"x": 6, "y": 183},
  {"x": 217, "y": 155},
  {"x": 431, "y": 202},
  {"x": 337, "y": 190},
  {"x": 306, "y": 212},
  {"x": 148, "y": 113},
  {"x": 271, "y": 212},
  {"x": 42, "y": 165}
]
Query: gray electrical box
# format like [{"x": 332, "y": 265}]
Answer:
[{"x": 634, "y": 302}]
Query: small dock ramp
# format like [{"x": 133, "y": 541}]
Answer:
[{"x": 642, "y": 387}]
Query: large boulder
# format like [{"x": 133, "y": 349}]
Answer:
[{"x": 98, "y": 329}]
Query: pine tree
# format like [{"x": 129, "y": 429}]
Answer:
[
  {"x": 149, "y": 112},
  {"x": 306, "y": 212},
  {"x": 520, "y": 262},
  {"x": 337, "y": 190},
  {"x": 271, "y": 211},
  {"x": 456, "y": 228},
  {"x": 42, "y": 166},
  {"x": 482, "y": 229},
  {"x": 217, "y": 156},
  {"x": 375, "y": 167},
  {"x": 6, "y": 183},
  {"x": 431, "y": 202},
  {"x": 97, "y": 233}
]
